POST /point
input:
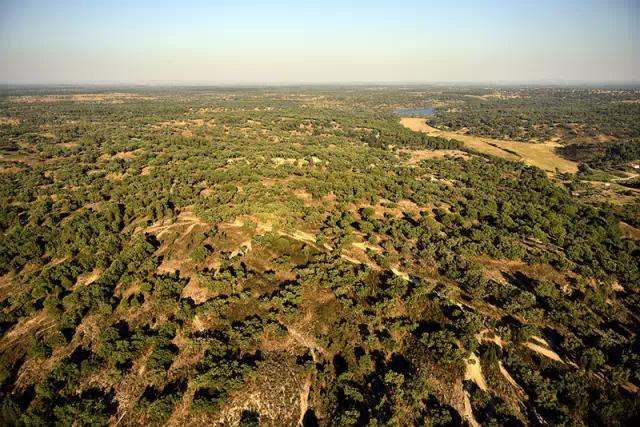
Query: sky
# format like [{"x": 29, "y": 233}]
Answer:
[{"x": 307, "y": 41}]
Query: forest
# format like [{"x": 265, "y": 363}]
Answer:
[
  {"x": 288, "y": 256},
  {"x": 584, "y": 114}
]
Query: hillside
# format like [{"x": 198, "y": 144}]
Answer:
[{"x": 297, "y": 256}]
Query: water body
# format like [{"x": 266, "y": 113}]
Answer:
[{"x": 409, "y": 112}]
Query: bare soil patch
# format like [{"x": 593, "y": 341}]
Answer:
[
  {"x": 473, "y": 372},
  {"x": 541, "y": 347},
  {"x": 195, "y": 291},
  {"x": 88, "y": 278},
  {"x": 630, "y": 231},
  {"x": 179, "y": 237}
]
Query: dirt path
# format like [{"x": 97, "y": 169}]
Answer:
[
  {"x": 468, "y": 412},
  {"x": 540, "y": 154},
  {"x": 473, "y": 372},
  {"x": 487, "y": 336},
  {"x": 304, "y": 398},
  {"x": 308, "y": 342}
]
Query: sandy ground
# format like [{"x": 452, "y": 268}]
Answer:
[
  {"x": 473, "y": 372},
  {"x": 541, "y": 155},
  {"x": 541, "y": 347},
  {"x": 468, "y": 412},
  {"x": 399, "y": 273}
]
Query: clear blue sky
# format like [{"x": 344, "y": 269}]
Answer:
[{"x": 73, "y": 41}]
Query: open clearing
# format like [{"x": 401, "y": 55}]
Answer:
[{"x": 542, "y": 155}]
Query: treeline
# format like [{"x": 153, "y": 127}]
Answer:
[
  {"x": 544, "y": 113},
  {"x": 603, "y": 156}
]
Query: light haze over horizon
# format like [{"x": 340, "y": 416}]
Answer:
[{"x": 251, "y": 42}]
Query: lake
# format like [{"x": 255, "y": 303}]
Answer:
[{"x": 416, "y": 111}]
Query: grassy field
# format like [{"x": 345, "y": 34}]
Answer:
[{"x": 542, "y": 155}]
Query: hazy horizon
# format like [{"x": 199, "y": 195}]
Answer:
[{"x": 280, "y": 43}]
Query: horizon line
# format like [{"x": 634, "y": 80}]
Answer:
[{"x": 202, "y": 83}]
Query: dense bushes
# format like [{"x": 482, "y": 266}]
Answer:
[{"x": 173, "y": 267}]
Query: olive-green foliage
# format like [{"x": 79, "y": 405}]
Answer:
[{"x": 109, "y": 192}]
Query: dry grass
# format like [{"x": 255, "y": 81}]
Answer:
[
  {"x": 356, "y": 254},
  {"x": 192, "y": 123},
  {"x": 542, "y": 155},
  {"x": 126, "y": 155},
  {"x": 629, "y": 231},
  {"x": 303, "y": 195},
  {"x": 277, "y": 392},
  {"x": 26, "y": 327},
  {"x": 196, "y": 292},
  {"x": 179, "y": 237},
  {"x": 122, "y": 155},
  {"x": 495, "y": 268},
  {"x": 11, "y": 121},
  {"x": 26, "y": 159},
  {"x": 396, "y": 210},
  {"x": 88, "y": 278},
  {"x": 9, "y": 169}
]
